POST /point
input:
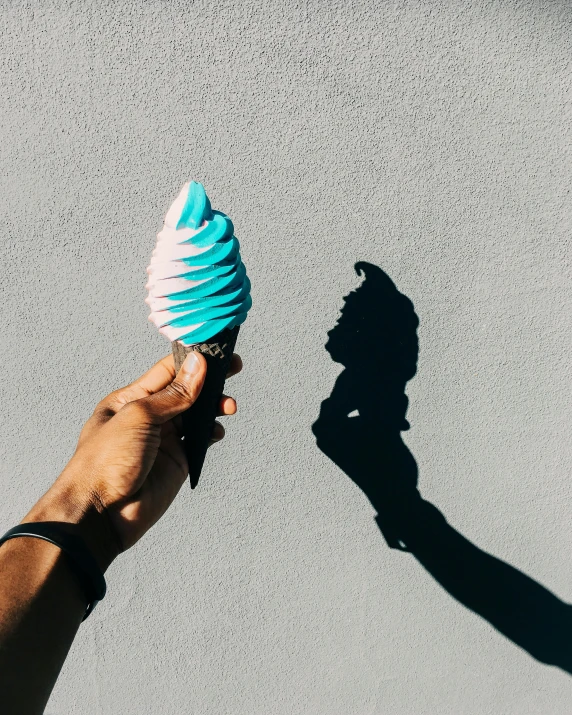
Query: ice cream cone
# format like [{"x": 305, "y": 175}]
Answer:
[
  {"x": 199, "y": 294},
  {"x": 198, "y": 421}
]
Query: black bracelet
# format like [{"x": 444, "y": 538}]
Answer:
[{"x": 61, "y": 535}]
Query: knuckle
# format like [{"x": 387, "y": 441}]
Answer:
[{"x": 181, "y": 390}]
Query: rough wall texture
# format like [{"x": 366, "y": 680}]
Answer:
[{"x": 430, "y": 139}]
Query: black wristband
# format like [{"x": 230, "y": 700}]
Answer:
[{"x": 85, "y": 566}]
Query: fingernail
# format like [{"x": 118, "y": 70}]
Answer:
[{"x": 189, "y": 367}]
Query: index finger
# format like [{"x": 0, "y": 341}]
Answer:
[
  {"x": 152, "y": 381},
  {"x": 156, "y": 379}
]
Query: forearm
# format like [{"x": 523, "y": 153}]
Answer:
[
  {"x": 42, "y": 601},
  {"x": 126, "y": 471},
  {"x": 41, "y": 608}
]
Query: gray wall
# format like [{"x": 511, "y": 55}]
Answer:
[{"x": 430, "y": 139}]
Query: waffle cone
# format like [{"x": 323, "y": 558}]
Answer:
[{"x": 198, "y": 420}]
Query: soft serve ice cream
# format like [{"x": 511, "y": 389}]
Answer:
[{"x": 197, "y": 282}]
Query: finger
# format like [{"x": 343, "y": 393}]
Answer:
[
  {"x": 173, "y": 453},
  {"x": 157, "y": 378},
  {"x": 217, "y": 433},
  {"x": 235, "y": 365},
  {"x": 175, "y": 398},
  {"x": 169, "y": 429},
  {"x": 154, "y": 380},
  {"x": 178, "y": 423},
  {"x": 226, "y": 406}
]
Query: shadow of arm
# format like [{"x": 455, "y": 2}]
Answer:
[{"x": 516, "y": 605}]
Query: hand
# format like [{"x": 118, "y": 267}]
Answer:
[{"x": 129, "y": 463}]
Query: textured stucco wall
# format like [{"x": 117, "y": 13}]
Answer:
[{"x": 431, "y": 139}]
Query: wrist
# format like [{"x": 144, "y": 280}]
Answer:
[{"x": 68, "y": 502}]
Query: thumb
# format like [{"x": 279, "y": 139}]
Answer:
[{"x": 179, "y": 395}]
